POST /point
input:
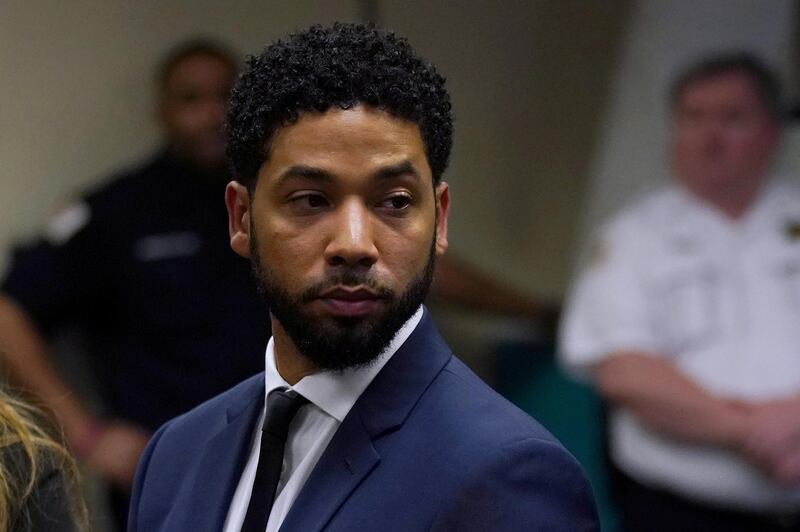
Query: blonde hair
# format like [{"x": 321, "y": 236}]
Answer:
[{"x": 29, "y": 445}]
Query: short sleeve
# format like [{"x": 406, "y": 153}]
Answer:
[
  {"x": 606, "y": 310},
  {"x": 58, "y": 278}
]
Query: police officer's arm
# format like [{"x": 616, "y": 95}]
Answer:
[
  {"x": 110, "y": 449},
  {"x": 659, "y": 394},
  {"x": 774, "y": 438},
  {"x": 24, "y": 350},
  {"x": 667, "y": 400},
  {"x": 787, "y": 469}
]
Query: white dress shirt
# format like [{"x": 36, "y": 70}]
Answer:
[
  {"x": 719, "y": 298},
  {"x": 331, "y": 395}
]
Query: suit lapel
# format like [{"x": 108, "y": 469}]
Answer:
[
  {"x": 348, "y": 459},
  {"x": 384, "y": 405},
  {"x": 222, "y": 463}
]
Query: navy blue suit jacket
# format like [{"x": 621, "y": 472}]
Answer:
[{"x": 427, "y": 446}]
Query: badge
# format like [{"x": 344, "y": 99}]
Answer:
[{"x": 167, "y": 246}]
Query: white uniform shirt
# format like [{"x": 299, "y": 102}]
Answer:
[
  {"x": 721, "y": 299},
  {"x": 331, "y": 396}
]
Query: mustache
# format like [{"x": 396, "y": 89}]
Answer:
[{"x": 350, "y": 279}]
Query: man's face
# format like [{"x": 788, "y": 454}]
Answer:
[
  {"x": 723, "y": 136},
  {"x": 343, "y": 227},
  {"x": 192, "y": 109}
]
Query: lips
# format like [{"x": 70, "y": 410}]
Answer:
[{"x": 350, "y": 302}]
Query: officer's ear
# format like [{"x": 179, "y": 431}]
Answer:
[{"x": 237, "y": 199}]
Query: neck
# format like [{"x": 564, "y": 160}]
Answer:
[
  {"x": 210, "y": 172},
  {"x": 733, "y": 208},
  {"x": 733, "y": 201},
  {"x": 290, "y": 363}
]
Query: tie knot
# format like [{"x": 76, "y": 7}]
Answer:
[{"x": 282, "y": 405}]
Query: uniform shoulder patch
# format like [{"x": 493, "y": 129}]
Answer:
[{"x": 64, "y": 225}]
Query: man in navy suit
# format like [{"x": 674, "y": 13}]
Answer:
[{"x": 363, "y": 419}]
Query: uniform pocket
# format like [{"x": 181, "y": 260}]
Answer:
[{"x": 686, "y": 307}]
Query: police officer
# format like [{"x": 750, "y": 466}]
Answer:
[
  {"x": 687, "y": 317},
  {"x": 143, "y": 264}
]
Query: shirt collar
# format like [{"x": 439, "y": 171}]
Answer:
[
  {"x": 335, "y": 392},
  {"x": 762, "y": 204}
]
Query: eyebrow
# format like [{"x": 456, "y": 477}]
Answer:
[
  {"x": 404, "y": 168},
  {"x": 301, "y": 171}
]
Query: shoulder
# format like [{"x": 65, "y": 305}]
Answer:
[
  {"x": 172, "y": 460},
  {"x": 521, "y": 487},
  {"x": 481, "y": 429},
  {"x": 513, "y": 474},
  {"x": 483, "y": 414},
  {"x": 135, "y": 180},
  {"x": 180, "y": 441},
  {"x": 645, "y": 214},
  {"x": 628, "y": 236},
  {"x": 206, "y": 417},
  {"x": 113, "y": 201}
]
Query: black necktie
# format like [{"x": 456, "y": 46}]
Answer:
[{"x": 282, "y": 405}]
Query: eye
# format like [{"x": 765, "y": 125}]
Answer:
[
  {"x": 396, "y": 202},
  {"x": 735, "y": 117},
  {"x": 308, "y": 202},
  {"x": 188, "y": 97}
]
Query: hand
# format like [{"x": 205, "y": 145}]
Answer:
[
  {"x": 787, "y": 469},
  {"x": 774, "y": 435},
  {"x": 116, "y": 453}
]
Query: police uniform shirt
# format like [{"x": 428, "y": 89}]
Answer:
[
  {"x": 144, "y": 264},
  {"x": 720, "y": 299}
]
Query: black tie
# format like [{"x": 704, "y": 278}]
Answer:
[{"x": 282, "y": 405}]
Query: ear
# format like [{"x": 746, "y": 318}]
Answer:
[
  {"x": 237, "y": 199},
  {"x": 442, "y": 192}
]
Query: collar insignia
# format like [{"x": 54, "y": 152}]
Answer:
[{"x": 792, "y": 230}]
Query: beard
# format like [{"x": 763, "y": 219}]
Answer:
[{"x": 341, "y": 342}]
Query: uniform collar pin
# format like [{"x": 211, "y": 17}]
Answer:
[{"x": 792, "y": 229}]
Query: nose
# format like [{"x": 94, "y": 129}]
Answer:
[
  {"x": 351, "y": 241},
  {"x": 712, "y": 136},
  {"x": 215, "y": 112}
]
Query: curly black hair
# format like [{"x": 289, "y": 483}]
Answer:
[{"x": 342, "y": 65}]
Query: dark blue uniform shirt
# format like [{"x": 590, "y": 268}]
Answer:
[{"x": 173, "y": 313}]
